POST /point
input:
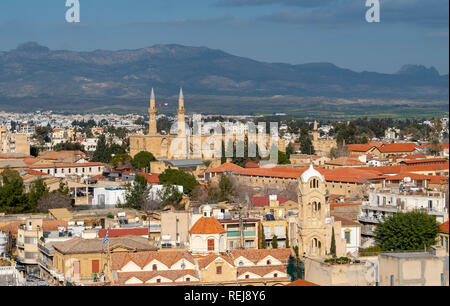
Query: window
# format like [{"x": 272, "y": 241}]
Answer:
[
  {"x": 247, "y": 276},
  {"x": 210, "y": 244},
  {"x": 154, "y": 268},
  {"x": 188, "y": 279},
  {"x": 158, "y": 280},
  {"x": 219, "y": 270},
  {"x": 392, "y": 280},
  {"x": 442, "y": 279},
  {"x": 275, "y": 275},
  {"x": 347, "y": 236},
  {"x": 241, "y": 264},
  {"x": 268, "y": 262},
  {"x": 446, "y": 244}
]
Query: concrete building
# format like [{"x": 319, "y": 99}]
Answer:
[{"x": 414, "y": 268}]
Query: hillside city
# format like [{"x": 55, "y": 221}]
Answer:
[{"x": 117, "y": 200}]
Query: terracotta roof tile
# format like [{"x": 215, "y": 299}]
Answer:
[
  {"x": 257, "y": 255},
  {"x": 118, "y": 232},
  {"x": 444, "y": 227},
  {"x": 301, "y": 282},
  {"x": 226, "y": 167},
  {"x": 264, "y": 201},
  {"x": 207, "y": 225}
]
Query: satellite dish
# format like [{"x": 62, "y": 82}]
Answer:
[{"x": 407, "y": 179}]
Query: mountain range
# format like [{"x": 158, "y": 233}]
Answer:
[{"x": 33, "y": 76}]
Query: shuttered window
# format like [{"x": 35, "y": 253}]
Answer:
[
  {"x": 210, "y": 244},
  {"x": 95, "y": 266}
]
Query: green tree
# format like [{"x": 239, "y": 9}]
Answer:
[
  {"x": 178, "y": 177},
  {"x": 170, "y": 195},
  {"x": 287, "y": 239},
  {"x": 274, "y": 242},
  {"x": 137, "y": 194},
  {"x": 37, "y": 191},
  {"x": 226, "y": 188},
  {"x": 120, "y": 159},
  {"x": 407, "y": 231},
  {"x": 101, "y": 153},
  {"x": 262, "y": 237},
  {"x": 283, "y": 158},
  {"x": 306, "y": 146},
  {"x": 333, "y": 243},
  {"x": 142, "y": 160},
  {"x": 12, "y": 197},
  {"x": 295, "y": 268}
]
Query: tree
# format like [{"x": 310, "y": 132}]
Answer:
[
  {"x": 170, "y": 195},
  {"x": 295, "y": 268},
  {"x": 12, "y": 197},
  {"x": 274, "y": 242},
  {"x": 142, "y": 160},
  {"x": 101, "y": 153},
  {"x": 37, "y": 191},
  {"x": 120, "y": 160},
  {"x": 287, "y": 239},
  {"x": 283, "y": 158},
  {"x": 333, "y": 243},
  {"x": 53, "y": 200},
  {"x": 226, "y": 188},
  {"x": 306, "y": 146},
  {"x": 178, "y": 177},
  {"x": 137, "y": 194},
  {"x": 407, "y": 231},
  {"x": 262, "y": 237}
]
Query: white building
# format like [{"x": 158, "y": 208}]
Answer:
[
  {"x": 109, "y": 195},
  {"x": 207, "y": 236}
]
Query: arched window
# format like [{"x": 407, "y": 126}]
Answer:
[
  {"x": 268, "y": 262},
  {"x": 154, "y": 267},
  {"x": 275, "y": 275}
]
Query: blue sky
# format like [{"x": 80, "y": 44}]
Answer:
[{"x": 290, "y": 31}]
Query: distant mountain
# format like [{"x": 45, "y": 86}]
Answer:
[{"x": 34, "y": 72}]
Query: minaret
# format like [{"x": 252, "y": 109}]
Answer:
[
  {"x": 315, "y": 133},
  {"x": 152, "y": 114},
  {"x": 181, "y": 113}
]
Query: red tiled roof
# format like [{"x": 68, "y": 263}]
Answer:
[
  {"x": 444, "y": 227},
  {"x": 144, "y": 276},
  {"x": 251, "y": 164},
  {"x": 359, "y": 147},
  {"x": 397, "y": 147},
  {"x": 169, "y": 258},
  {"x": 203, "y": 262},
  {"x": 264, "y": 201},
  {"x": 343, "y": 161},
  {"x": 207, "y": 225},
  {"x": 118, "y": 232},
  {"x": 301, "y": 282},
  {"x": 345, "y": 221},
  {"x": 226, "y": 167},
  {"x": 34, "y": 172},
  {"x": 151, "y": 178},
  {"x": 424, "y": 161},
  {"x": 257, "y": 255},
  {"x": 66, "y": 165},
  {"x": 334, "y": 205}
]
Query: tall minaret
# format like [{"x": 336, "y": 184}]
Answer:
[
  {"x": 181, "y": 113},
  {"x": 152, "y": 114},
  {"x": 315, "y": 132}
]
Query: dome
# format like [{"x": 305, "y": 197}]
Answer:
[{"x": 311, "y": 172}]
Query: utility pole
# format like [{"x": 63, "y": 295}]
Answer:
[{"x": 241, "y": 225}]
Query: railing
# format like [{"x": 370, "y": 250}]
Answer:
[
  {"x": 369, "y": 219},
  {"x": 367, "y": 233}
]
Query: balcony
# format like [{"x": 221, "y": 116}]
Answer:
[
  {"x": 238, "y": 234},
  {"x": 270, "y": 236},
  {"x": 369, "y": 219},
  {"x": 367, "y": 233}
]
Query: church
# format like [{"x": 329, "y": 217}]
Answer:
[{"x": 182, "y": 145}]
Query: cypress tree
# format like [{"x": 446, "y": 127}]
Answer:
[{"x": 333, "y": 243}]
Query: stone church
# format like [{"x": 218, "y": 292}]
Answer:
[
  {"x": 315, "y": 223},
  {"x": 182, "y": 145}
]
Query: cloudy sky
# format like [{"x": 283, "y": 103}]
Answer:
[{"x": 290, "y": 31}]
